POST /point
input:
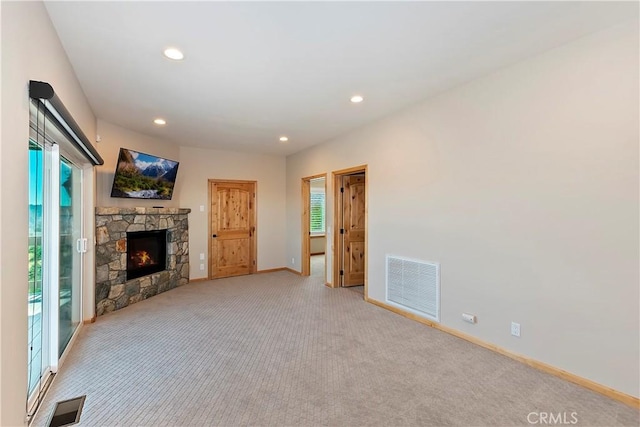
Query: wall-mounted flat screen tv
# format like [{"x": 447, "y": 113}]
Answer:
[{"x": 143, "y": 176}]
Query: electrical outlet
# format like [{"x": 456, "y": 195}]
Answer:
[
  {"x": 201, "y": 257},
  {"x": 469, "y": 318},
  {"x": 293, "y": 261},
  {"x": 201, "y": 267},
  {"x": 515, "y": 329}
]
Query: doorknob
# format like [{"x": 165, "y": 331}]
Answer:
[{"x": 214, "y": 235}]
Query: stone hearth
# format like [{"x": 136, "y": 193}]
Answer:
[{"x": 113, "y": 291}]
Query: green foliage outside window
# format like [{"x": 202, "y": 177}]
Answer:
[{"x": 317, "y": 212}]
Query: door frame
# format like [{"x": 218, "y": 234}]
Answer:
[
  {"x": 305, "y": 259},
  {"x": 253, "y": 267},
  {"x": 338, "y": 249}
]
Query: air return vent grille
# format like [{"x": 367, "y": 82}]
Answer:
[{"x": 414, "y": 285}]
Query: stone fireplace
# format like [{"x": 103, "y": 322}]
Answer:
[{"x": 140, "y": 252}]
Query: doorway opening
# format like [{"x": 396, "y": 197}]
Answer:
[
  {"x": 314, "y": 237},
  {"x": 350, "y": 228}
]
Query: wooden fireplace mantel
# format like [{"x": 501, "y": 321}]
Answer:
[{"x": 141, "y": 211}]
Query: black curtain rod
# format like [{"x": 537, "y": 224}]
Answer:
[{"x": 43, "y": 92}]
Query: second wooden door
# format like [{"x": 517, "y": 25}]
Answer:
[{"x": 354, "y": 229}]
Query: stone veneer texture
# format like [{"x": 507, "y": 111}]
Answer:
[{"x": 113, "y": 291}]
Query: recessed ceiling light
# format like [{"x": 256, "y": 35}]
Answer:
[
  {"x": 160, "y": 122},
  {"x": 173, "y": 53},
  {"x": 283, "y": 139},
  {"x": 357, "y": 98}
]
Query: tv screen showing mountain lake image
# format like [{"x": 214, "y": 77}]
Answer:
[{"x": 143, "y": 176}]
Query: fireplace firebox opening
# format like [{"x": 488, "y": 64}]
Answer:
[{"x": 146, "y": 253}]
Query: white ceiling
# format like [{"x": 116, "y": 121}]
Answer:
[{"x": 255, "y": 71}]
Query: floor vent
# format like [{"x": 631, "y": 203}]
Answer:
[
  {"x": 67, "y": 412},
  {"x": 414, "y": 285}
]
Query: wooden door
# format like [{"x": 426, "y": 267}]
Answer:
[
  {"x": 354, "y": 229},
  {"x": 232, "y": 230}
]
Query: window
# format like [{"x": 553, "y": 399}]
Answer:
[{"x": 317, "y": 212}]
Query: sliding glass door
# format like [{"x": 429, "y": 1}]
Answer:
[
  {"x": 37, "y": 345},
  {"x": 70, "y": 271},
  {"x": 56, "y": 248}
]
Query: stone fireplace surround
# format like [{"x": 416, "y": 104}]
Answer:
[{"x": 113, "y": 290}]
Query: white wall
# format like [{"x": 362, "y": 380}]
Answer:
[
  {"x": 198, "y": 165},
  {"x": 112, "y": 138},
  {"x": 318, "y": 244},
  {"x": 30, "y": 50},
  {"x": 524, "y": 186}
]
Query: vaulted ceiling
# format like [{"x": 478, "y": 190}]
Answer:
[{"x": 256, "y": 71}]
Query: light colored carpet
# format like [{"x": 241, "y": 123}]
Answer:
[
  {"x": 277, "y": 349},
  {"x": 358, "y": 289}
]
